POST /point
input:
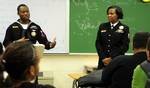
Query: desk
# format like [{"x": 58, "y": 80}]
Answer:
[{"x": 75, "y": 77}]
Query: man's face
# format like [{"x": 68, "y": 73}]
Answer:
[
  {"x": 112, "y": 16},
  {"x": 24, "y": 13}
]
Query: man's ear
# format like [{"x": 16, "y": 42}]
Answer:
[
  {"x": 31, "y": 73},
  {"x": 32, "y": 70}
]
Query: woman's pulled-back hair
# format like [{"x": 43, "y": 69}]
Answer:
[{"x": 17, "y": 58}]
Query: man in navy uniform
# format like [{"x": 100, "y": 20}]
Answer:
[
  {"x": 25, "y": 29},
  {"x": 112, "y": 37}
]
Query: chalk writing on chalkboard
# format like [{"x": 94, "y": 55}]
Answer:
[{"x": 86, "y": 15}]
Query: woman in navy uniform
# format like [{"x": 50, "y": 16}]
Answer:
[
  {"x": 25, "y": 29},
  {"x": 112, "y": 37}
]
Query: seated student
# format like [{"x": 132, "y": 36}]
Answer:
[
  {"x": 118, "y": 74},
  {"x": 21, "y": 61},
  {"x": 141, "y": 76}
]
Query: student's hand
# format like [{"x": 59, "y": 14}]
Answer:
[{"x": 106, "y": 61}]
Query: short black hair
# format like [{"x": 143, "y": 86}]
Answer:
[
  {"x": 140, "y": 40},
  {"x": 20, "y": 6},
  {"x": 118, "y": 11}
]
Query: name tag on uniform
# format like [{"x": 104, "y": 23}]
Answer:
[{"x": 120, "y": 31}]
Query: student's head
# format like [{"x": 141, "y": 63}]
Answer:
[
  {"x": 148, "y": 49},
  {"x": 140, "y": 40},
  {"x": 21, "y": 61},
  {"x": 23, "y": 12},
  {"x": 114, "y": 13}
]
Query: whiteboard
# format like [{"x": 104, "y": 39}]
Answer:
[{"x": 51, "y": 15}]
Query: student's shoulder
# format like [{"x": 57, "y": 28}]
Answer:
[{"x": 122, "y": 58}]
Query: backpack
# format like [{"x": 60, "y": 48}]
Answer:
[
  {"x": 146, "y": 68},
  {"x": 93, "y": 79}
]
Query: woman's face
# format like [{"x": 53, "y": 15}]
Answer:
[{"x": 112, "y": 16}]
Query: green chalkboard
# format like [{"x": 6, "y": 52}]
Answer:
[{"x": 86, "y": 15}]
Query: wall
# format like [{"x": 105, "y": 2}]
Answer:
[{"x": 63, "y": 64}]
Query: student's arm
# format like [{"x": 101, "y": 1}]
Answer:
[{"x": 139, "y": 78}]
